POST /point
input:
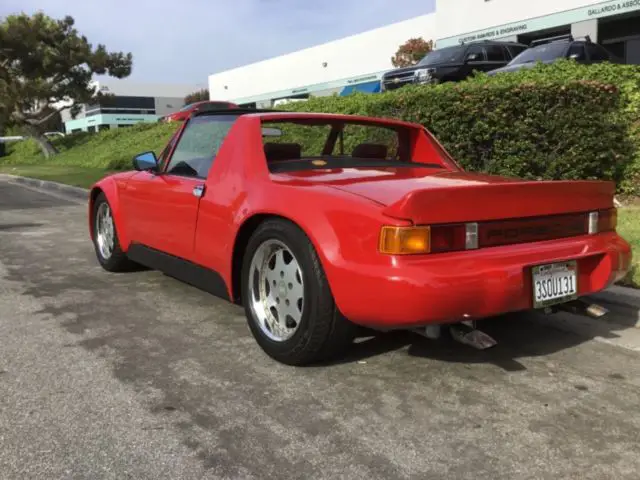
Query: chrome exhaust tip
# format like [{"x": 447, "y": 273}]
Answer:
[
  {"x": 471, "y": 336},
  {"x": 582, "y": 307}
]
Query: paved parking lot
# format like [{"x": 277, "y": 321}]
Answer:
[{"x": 139, "y": 376}]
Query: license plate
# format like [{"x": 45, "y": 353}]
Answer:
[{"x": 554, "y": 283}]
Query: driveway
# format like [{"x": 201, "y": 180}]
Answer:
[{"x": 140, "y": 376}]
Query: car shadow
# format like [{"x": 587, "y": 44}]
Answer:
[{"x": 518, "y": 335}]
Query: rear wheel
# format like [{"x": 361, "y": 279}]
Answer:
[
  {"x": 105, "y": 238},
  {"x": 289, "y": 306}
]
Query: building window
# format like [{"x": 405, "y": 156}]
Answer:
[
  {"x": 126, "y": 111},
  {"x": 124, "y": 102}
]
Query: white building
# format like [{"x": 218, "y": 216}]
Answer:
[
  {"x": 360, "y": 60},
  {"x": 128, "y": 104},
  {"x": 322, "y": 70}
]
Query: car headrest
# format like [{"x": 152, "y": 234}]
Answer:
[
  {"x": 282, "y": 151},
  {"x": 370, "y": 150}
]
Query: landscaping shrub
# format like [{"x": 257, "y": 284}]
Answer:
[
  {"x": 625, "y": 77},
  {"x": 551, "y": 122}
]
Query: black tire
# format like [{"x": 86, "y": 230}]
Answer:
[
  {"x": 323, "y": 333},
  {"x": 118, "y": 260}
]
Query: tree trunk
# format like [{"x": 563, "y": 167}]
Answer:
[
  {"x": 45, "y": 145},
  {"x": 3, "y": 151}
]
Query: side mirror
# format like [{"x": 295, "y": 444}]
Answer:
[
  {"x": 472, "y": 57},
  {"x": 145, "y": 161}
]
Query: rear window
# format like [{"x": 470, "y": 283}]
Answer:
[
  {"x": 311, "y": 144},
  {"x": 516, "y": 49},
  {"x": 541, "y": 53}
]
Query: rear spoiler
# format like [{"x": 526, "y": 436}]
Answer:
[{"x": 451, "y": 203}]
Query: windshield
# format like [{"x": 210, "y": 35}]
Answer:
[
  {"x": 541, "y": 53},
  {"x": 443, "y": 55},
  {"x": 296, "y": 145}
]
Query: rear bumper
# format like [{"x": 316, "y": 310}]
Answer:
[{"x": 415, "y": 291}]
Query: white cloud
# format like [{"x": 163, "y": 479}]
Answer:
[{"x": 184, "y": 41}]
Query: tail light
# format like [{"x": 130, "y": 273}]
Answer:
[
  {"x": 607, "y": 220},
  {"x": 603, "y": 221},
  {"x": 428, "y": 239},
  {"x": 469, "y": 236},
  {"x": 404, "y": 240}
]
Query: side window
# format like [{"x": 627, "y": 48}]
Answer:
[
  {"x": 475, "y": 53},
  {"x": 495, "y": 53},
  {"x": 577, "y": 52},
  {"x": 199, "y": 144},
  {"x": 597, "y": 53}
]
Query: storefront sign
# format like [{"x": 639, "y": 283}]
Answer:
[
  {"x": 567, "y": 17},
  {"x": 370, "y": 78},
  {"x": 613, "y": 8},
  {"x": 496, "y": 33}
]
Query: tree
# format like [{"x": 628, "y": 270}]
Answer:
[
  {"x": 46, "y": 66},
  {"x": 411, "y": 52},
  {"x": 198, "y": 96}
]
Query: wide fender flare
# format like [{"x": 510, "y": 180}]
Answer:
[
  {"x": 109, "y": 187},
  {"x": 344, "y": 236}
]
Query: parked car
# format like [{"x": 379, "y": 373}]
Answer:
[
  {"x": 453, "y": 63},
  {"x": 185, "y": 111},
  {"x": 553, "y": 49},
  {"x": 316, "y": 223},
  {"x": 17, "y": 138}
]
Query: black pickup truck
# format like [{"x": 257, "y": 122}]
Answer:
[{"x": 454, "y": 63}]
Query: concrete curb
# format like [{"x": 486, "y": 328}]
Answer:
[
  {"x": 623, "y": 303},
  {"x": 54, "y": 187}
]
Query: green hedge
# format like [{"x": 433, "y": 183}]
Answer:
[{"x": 561, "y": 121}]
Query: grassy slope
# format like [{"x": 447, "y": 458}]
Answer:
[
  {"x": 107, "y": 150},
  {"x": 85, "y": 158},
  {"x": 77, "y": 176}
]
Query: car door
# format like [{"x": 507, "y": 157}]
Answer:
[
  {"x": 474, "y": 59},
  {"x": 162, "y": 206}
]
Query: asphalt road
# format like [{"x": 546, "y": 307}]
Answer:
[{"x": 139, "y": 376}]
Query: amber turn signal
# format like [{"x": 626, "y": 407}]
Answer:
[{"x": 404, "y": 240}]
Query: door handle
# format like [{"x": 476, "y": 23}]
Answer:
[{"x": 198, "y": 191}]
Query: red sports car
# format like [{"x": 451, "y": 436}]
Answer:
[
  {"x": 317, "y": 223},
  {"x": 184, "y": 113}
]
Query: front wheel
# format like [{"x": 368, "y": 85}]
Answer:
[{"x": 288, "y": 303}]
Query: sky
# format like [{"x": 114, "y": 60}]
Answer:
[{"x": 184, "y": 41}]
